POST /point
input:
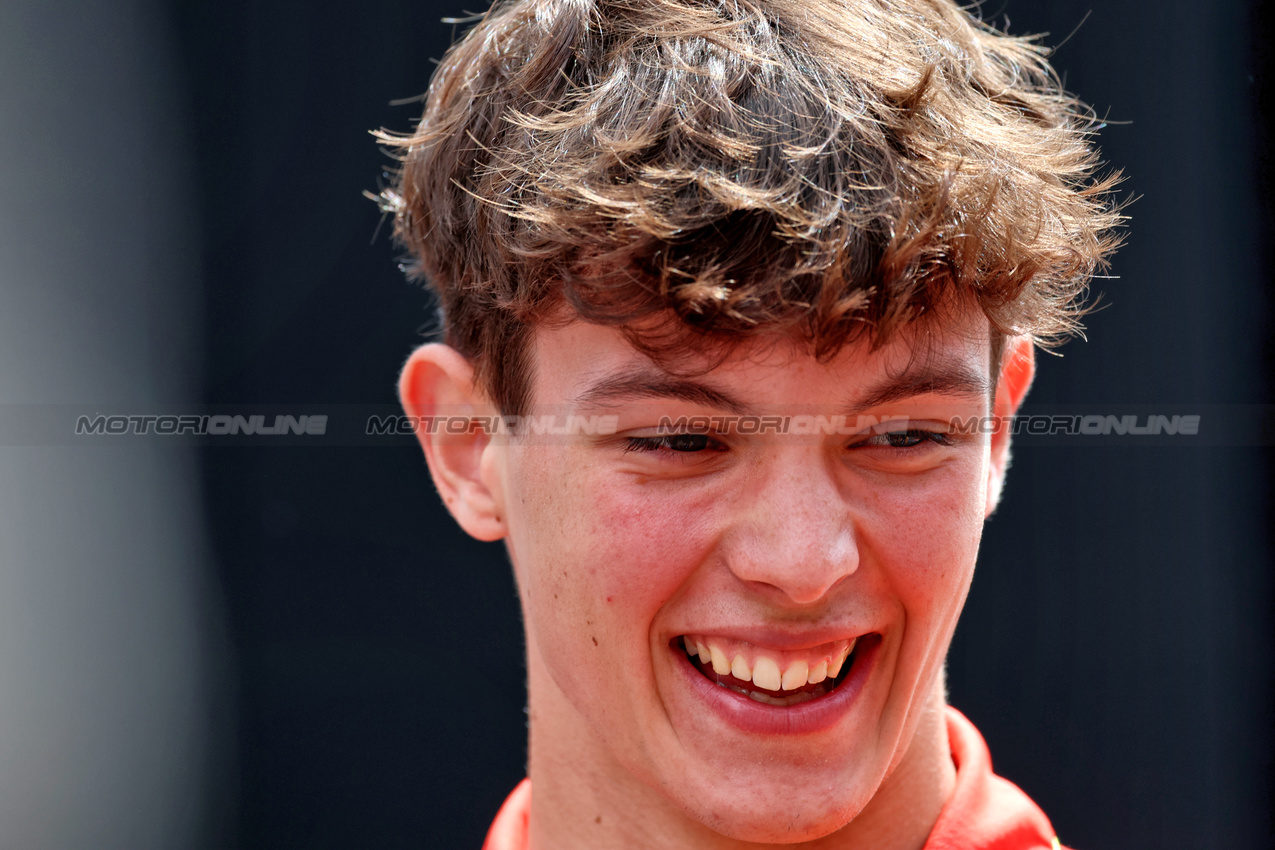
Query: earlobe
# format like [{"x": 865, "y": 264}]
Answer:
[
  {"x": 437, "y": 384},
  {"x": 1018, "y": 367}
]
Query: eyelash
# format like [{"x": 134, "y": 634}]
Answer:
[
  {"x": 921, "y": 436},
  {"x": 693, "y": 443}
]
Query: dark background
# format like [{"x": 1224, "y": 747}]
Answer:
[{"x": 359, "y": 658}]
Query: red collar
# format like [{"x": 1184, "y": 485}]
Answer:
[{"x": 985, "y": 812}]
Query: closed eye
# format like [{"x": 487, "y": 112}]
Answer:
[
  {"x": 674, "y": 443},
  {"x": 908, "y": 439}
]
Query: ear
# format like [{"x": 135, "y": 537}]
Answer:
[
  {"x": 438, "y": 382},
  {"x": 1018, "y": 367}
]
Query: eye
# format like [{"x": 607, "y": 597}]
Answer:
[
  {"x": 674, "y": 443},
  {"x": 907, "y": 439}
]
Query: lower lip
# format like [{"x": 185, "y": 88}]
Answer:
[{"x": 816, "y": 715}]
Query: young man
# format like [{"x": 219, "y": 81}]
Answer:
[{"x": 772, "y": 258}]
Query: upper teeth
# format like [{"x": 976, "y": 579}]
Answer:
[{"x": 770, "y": 669}]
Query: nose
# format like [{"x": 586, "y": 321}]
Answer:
[{"x": 794, "y": 529}]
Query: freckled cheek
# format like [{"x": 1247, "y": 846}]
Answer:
[
  {"x": 600, "y": 556},
  {"x": 654, "y": 538},
  {"x": 926, "y": 536},
  {"x": 546, "y": 529},
  {"x": 601, "y": 566}
]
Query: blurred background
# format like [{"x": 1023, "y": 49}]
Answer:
[{"x": 242, "y": 642}]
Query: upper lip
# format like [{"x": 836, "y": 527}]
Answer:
[{"x": 778, "y": 638}]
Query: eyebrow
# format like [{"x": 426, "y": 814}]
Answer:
[
  {"x": 930, "y": 379},
  {"x": 643, "y": 383},
  {"x": 640, "y": 382}
]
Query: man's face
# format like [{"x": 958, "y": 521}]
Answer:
[{"x": 773, "y": 555}]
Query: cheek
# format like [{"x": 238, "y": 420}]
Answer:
[
  {"x": 652, "y": 538},
  {"x": 599, "y": 554},
  {"x": 926, "y": 535}
]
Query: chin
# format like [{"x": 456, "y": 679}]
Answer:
[
  {"x": 785, "y": 812},
  {"x": 768, "y": 824}
]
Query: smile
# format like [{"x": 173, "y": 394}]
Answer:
[{"x": 771, "y": 677}]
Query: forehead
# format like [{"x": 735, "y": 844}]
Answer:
[{"x": 588, "y": 364}]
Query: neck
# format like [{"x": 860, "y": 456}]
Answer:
[{"x": 584, "y": 800}]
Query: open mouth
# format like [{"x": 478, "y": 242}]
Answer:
[{"x": 769, "y": 676}]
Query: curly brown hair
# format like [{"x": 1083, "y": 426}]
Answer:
[{"x": 697, "y": 172}]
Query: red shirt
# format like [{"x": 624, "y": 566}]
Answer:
[{"x": 985, "y": 812}]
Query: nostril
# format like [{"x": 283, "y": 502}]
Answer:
[{"x": 803, "y": 560}]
